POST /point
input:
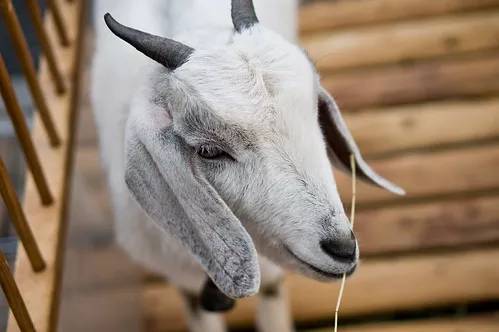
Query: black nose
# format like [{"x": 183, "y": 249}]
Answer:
[{"x": 343, "y": 249}]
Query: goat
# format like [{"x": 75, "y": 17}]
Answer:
[{"x": 219, "y": 151}]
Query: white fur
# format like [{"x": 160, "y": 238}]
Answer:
[{"x": 256, "y": 80}]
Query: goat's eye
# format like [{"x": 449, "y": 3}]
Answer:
[{"x": 211, "y": 152}]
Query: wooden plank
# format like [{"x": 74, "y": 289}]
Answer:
[
  {"x": 420, "y": 82},
  {"x": 323, "y": 15},
  {"x": 437, "y": 224},
  {"x": 389, "y": 130},
  {"x": 478, "y": 323},
  {"x": 430, "y": 175},
  {"x": 103, "y": 310},
  {"x": 102, "y": 268},
  {"x": 404, "y": 42},
  {"x": 393, "y": 284},
  {"x": 40, "y": 290}
]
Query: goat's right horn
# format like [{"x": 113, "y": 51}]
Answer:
[
  {"x": 243, "y": 14},
  {"x": 167, "y": 52}
]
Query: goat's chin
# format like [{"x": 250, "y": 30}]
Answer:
[
  {"x": 301, "y": 266},
  {"x": 316, "y": 274}
]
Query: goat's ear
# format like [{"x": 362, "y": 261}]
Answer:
[
  {"x": 163, "y": 174},
  {"x": 342, "y": 145}
]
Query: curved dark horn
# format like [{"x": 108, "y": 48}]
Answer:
[
  {"x": 243, "y": 14},
  {"x": 167, "y": 52}
]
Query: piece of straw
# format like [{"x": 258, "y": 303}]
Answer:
[{"x": 352, "y": 221}]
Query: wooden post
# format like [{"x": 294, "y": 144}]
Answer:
[
  {"x": 59, "y": 22},
  {"x": 16, "y": 302},
  {"x": 48, "y": 51},
  {"x": 22, "y": 131},
  {"x": 21, "y": 47},
  {"x": 19, "y": 220}
]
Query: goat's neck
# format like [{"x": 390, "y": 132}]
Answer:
[{"x": 200, "y": 23}]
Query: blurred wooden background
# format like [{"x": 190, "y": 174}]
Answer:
[{"x": 418, "y": 83}]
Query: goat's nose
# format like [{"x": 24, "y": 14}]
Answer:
[{"x": 341, "y": 249}]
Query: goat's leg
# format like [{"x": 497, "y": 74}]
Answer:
[
  {"x": 273, "y": 311},
  {"x": 199, "y": 320}
]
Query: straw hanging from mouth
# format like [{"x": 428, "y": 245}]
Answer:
[{"x": 352, "y": 221}]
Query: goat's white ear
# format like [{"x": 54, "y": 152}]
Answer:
[
  {"x": 163, "y": 175},
  {"x": 341, "y": 144}
]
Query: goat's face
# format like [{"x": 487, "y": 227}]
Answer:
[
  {"x": 239, "y": 134},
  {"x": 253, "y": 120}
]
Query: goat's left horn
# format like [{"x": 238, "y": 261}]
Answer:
[
  {"x": 167, "y": 52},
  {"x": 243, "y": 14}
]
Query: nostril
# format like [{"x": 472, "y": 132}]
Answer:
[{"x": 343, "y": 250}]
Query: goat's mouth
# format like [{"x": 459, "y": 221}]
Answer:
[{"x": 322, "y": 273}]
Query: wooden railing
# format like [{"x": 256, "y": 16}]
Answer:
[{"x": 33, "y": 290}]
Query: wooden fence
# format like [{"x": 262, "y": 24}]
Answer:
[{"x": 33, "y": 290}]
